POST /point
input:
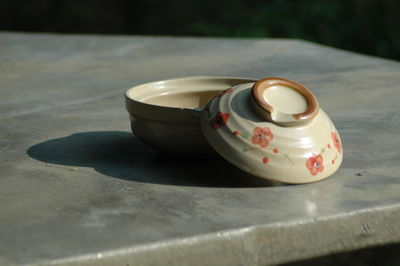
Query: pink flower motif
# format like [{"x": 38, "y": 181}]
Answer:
[
  {"x": 336, "y": 141},
  {"x": 315, "y": 164},
  {"x": 262, "y": 136},
  {"x": 265, "y": 160},
  {"x": 225, "y": 92},
  {"x": 220, "y": 119}
]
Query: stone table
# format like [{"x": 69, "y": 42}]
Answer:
[{"x": 77, "y": 188}]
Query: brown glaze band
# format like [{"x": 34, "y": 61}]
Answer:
[{"x": 262, "y": 85}]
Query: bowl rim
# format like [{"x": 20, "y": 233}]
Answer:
[
  {"x": 181, "y": 79},
  {"x": 139, "y": 109}
]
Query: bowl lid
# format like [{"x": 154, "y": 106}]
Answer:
[{"x": 274, "y": 129}]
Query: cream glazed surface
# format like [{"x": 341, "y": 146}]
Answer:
[{"x": 302, "y": 148}]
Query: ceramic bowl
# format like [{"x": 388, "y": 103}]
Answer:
[
  {"x": 166, "y": 114},
  {"x": 273, "y": 129}
]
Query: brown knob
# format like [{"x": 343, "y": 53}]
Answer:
[{"x": 258, "y": 92}]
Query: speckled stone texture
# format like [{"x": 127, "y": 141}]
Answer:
[{"x": 77, "y": 188}]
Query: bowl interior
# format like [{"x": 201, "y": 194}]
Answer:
[
  {"x": 188, "y": 93},
  {"x": 190, "y": 100}
]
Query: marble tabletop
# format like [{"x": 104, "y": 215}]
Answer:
[{"x": 77, "y": 188}]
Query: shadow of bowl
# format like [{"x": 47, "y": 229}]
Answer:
[{"x": 121, "y": 155}]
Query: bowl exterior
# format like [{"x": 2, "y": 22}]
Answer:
[
  {"x": 286, "y": 154},
  {"x": 179, "y": 138}
]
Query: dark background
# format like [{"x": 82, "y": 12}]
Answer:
[{"x": 366, "y": 26}]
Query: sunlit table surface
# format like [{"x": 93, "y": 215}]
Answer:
[{"x": 77, "y": 188}]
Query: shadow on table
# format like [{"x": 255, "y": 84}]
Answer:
[
  {"x": 387, "y": 255},
  {"x": 121, "y": 155}
]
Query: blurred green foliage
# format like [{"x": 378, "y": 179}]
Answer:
[{"x": 366, "y": 26}]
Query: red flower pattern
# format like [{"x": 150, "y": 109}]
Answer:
[
  {"x": 222, "y": 93},
  {"x": 226, "y": 91},
  {"x": 220, "y": 119},
  {"x": 315, "y": 164},
  {"x": 336, "y": 141},
  {"x": 262, "y": 136}
]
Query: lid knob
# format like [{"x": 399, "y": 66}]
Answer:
[{"x": 284, "y": 102}]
